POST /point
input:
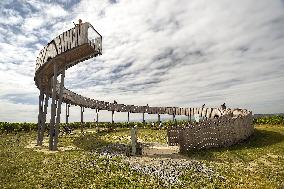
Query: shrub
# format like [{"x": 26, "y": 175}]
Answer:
[
  {"x": 273, "y": 120},
  {"x": 27, "y": 127}
]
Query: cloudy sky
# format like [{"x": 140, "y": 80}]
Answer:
[{"x": 162, "y": 53}]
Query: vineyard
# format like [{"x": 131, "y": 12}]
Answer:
[
  {"x": 272, "y": 120},
  {"x": 26, "y": 127}
]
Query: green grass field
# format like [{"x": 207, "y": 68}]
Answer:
[{"x": 255, "y": 163}]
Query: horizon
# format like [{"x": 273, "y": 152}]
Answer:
[
  {"x": 173, "y": 53},
  {"x": 147, "y": 120}
]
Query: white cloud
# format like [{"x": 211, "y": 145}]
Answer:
[
  {"x": 47, "y": 14},
  {"x": 25, "y": 39},
  {"x": 11, "y": 112},
  {"x": 10, "y": 16},
  {"x": 164, "y": 53},
  {"x": 54, "y": 11},
  {"x": 33, "y": 23}
]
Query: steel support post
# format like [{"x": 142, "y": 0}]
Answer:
[
  {"x": 58, "y": 110},
  {"x": 53, "y": 108}
]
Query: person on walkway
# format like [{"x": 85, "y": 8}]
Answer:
[
  {"x": 80, "y": 23},
  {"x": 223, "y": 106}
]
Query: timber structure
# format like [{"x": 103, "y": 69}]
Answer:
[{"x": 70, "y": 48}]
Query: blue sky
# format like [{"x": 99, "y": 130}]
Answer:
[{"x": 162, "y": 53}]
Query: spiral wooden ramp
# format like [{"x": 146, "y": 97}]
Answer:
[{"x": 70, "y": 48}]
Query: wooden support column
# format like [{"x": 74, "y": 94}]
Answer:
[
  {"x": 190, "y": 115},
  {"x": 112, "y": 121},
  {"x": 58, "y": 110},
  {"x": 134, "y": 141},
  {"x": 143, "y": 118},
  {"x": 97, "y": 111},
  {"x": 82, "y": 118},
  {"x": 67, "y": 113},
  {"x": 53, "y": 108},
  {"x": 44, "y": 118},
  {"x": 40, "y": 115},
  {"x": 128, "y": 117}
]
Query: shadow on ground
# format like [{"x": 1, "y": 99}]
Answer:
[
  {"x": 261, "y": 138},
  {"x": 89, "y": 142},
  {"x": 93, "y": 141}
]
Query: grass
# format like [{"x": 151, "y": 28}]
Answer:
[
  {"x": 24, "y": 168},
  {"x": 255, "y": 163}
]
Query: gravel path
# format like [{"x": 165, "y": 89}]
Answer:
[{"x": 168, "y": 169}]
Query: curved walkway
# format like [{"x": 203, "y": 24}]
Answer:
[{"x": 68, "y": 49}]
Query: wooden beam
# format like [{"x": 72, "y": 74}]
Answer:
[
  {"x": 40, "y": 115},
  {"x": 58, "y": 111},
  {"x": 44, "y": 118},
  {"x": 67, "y": 113},
  {"x": 53, "y": 108},
  {"x": 82, "y": 118},
  {"x": 97, "y": 111},
  {"x": 128, "y": 116},
  {"x": 112, "y": 121}
]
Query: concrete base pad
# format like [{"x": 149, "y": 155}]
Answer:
[{"x": 159, "y": 150}]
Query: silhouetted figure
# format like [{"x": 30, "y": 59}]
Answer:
[
  {"x": 80, "y": 23},
  {"x": 203, "y": 105},
  {"x": 223, "y": 106}
]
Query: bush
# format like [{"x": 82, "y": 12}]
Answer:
[
  {"x": 273, "y": 120},
  {"x": 27, "y": 127},
  {"x": 17, "y": 127}
]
